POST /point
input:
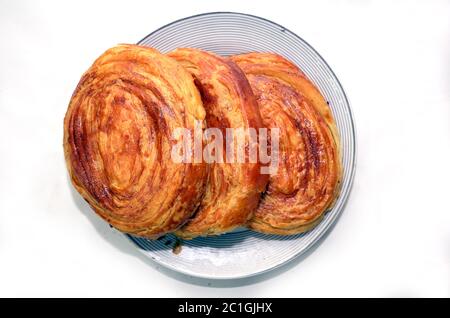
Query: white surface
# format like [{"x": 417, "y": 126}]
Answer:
[{"x": 394, "y": 236}]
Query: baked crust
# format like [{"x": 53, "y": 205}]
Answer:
[
  {"x": 233, "y": 189},
  {"x": 118, "y": 139},
  {"x": 309, "y": 172}
]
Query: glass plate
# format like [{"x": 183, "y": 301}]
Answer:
[{"x": 244, "y": 253}]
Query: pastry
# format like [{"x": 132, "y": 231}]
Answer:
[
  {"x": 309, "y": 168},
  {"x": 233, "y": 189},
  {"x": 118, "y": 136}
]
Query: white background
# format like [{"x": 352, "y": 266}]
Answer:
[{"x": 393, "y": 239}]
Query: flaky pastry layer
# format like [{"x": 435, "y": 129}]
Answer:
[
  {"x": 233, "y": 189},
  {"x": 309, "y": 173},
  {"x": 118, "y": 139}
]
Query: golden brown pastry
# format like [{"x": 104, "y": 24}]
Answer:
[
  {"x": 309, "y": 171},
  {"x": 118, "y": 139},
  {"x": 233, "y": 189}
]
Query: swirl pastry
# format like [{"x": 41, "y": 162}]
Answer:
[
  {"x": 233, "y": 189},
  {"x": 309, "y": 170},
  {"x": 118, "y": 139}
]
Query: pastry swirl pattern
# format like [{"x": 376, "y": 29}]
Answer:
[
  {"x": 233, "y": 189},
  {"x": 309, "y": 170},
  {"x": 118, "y": 137}
]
